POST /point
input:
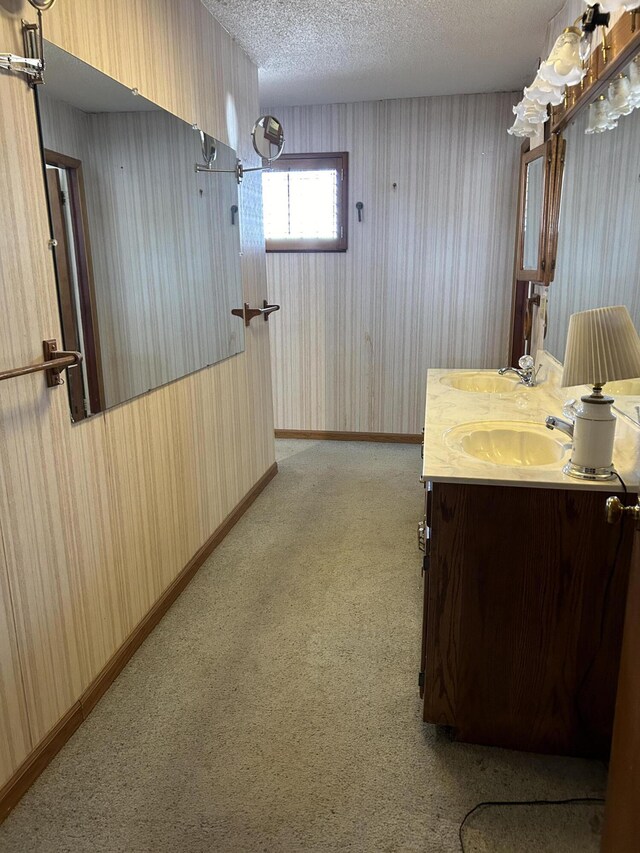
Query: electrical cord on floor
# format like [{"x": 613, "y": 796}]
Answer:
[
  {"x": 603, "y": 615},
  {"x": 572, "y": 801}
]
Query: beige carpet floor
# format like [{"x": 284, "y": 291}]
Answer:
[{"x": 276, "y": 707}]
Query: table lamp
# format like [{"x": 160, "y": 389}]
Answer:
[{"x": 602, "y": 346}]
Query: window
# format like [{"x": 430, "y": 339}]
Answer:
[{"x": 305, "y": 203}]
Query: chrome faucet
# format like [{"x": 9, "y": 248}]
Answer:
[
  {"x": 525, "y": 371},
  {"x": 552, "y": 422}
]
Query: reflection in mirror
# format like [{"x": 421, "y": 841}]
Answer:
[
  {"x": 209, "y": 150},
  {"x": 532, "y": 223},
  {"x": 598, "y": 260},
  {"x": 268, "y": 138},
  {"x": 148, "y": 252}
]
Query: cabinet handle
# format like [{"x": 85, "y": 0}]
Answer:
[
  {"x": 426, "y": 563},
  {"x": 616, "y": 510},
  {"x": 422, "y": 536}
]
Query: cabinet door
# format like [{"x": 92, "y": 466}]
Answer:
[
  {"x": 622, "y": 812},
  {"x": 425, "y": 617},
  {"x": 425, "y": 574},
  {"x": 518, "y": 652}
]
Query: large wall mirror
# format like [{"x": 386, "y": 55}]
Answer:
[
  {"x": 147, "y": 250},
  {"x": 598, "y": 257}
]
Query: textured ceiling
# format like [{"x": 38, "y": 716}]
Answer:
[{"x": 328, "y": 51}]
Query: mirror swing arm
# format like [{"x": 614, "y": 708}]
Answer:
[
  {"x": 267, "y": 132},
  {"x": 32, "y": 63}
]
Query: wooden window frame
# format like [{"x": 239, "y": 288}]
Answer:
[{"x": 301, "y": 162}]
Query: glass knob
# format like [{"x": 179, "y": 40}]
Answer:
[{"x": 526, "y": 362}]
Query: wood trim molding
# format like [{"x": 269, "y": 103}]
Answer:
[
  {"x": 35, "y": 763},
  {"x": 332, "y": 435},
  {"x": 47, "y": 749}
]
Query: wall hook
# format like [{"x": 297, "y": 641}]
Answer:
[
  {"x": 247, "y": 313},
  {"x": 359, "y": 208}
]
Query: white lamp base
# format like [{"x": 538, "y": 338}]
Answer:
[{"x": 580, "y": 472}]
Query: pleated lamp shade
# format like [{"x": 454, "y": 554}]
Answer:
[{"x": 602, "y": 345}]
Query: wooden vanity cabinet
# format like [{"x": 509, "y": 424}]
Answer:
[{"x": 524, "y": 600}]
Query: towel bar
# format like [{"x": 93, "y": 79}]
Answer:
[{"x": 55, "y": 361}]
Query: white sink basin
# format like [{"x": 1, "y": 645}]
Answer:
[
  {"x": 483, "y": 383},
  {"x": 514, "y": 443},
  {"x": 623, "y": 387}
]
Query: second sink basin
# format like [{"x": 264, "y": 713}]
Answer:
[
  {"x": 514, "y": 443},
  {"x": 623, "y": 387},
  {"x": 481, "y": 382}
]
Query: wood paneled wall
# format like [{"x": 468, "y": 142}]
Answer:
[
  {"x": 97, "y": 519},
  {"x": 426, "y": 281}
]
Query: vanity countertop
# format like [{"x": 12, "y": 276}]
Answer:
[{"x": 447, "y": 407}]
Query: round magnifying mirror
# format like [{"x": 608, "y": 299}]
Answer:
[
  {"x": 209, "y": 150},
  {"x": 42, "y": 5},
  {"x": 268, "y": 138}
]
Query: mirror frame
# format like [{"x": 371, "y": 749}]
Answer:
[
  {"x": 527, "y": 157},
  {"x": 524, "y": 301}
]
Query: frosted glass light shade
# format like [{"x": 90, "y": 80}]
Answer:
[
  {"x": 600, "y": 118},
  {"x": 523, "y": 128},
  {"x": 619, "y": 97},
  {"x": 531, "y": 111},
  {"x": 634, "y": 81},
  {"x": 544, "y": 93},
  {"x": 602, "y": 345},
  {"x": 564, "y": 65}
]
